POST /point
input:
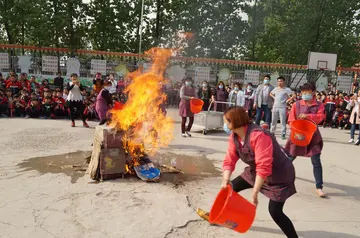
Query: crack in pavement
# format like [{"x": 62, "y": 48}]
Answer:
[{"x": 181, "y": 227}]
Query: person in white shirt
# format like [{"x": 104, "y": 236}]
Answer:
[
  {"x": 75, "y": 99},
  {"x": 281, "y": 95},
  {"x": 113, "y": 87},
  {"x": 237, "y": 96}
]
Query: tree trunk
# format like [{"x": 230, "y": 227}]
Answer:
[
  {"x": 158, "y": 22},
  {"x": 254, "y": 32}
]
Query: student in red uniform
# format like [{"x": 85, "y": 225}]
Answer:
[
  {"x": 309, "y": 108},
  {"x": 48, "y": 108},
  {"x": 39, "y": 94},
  {"x": 17, "y": 108},
  {"x": 59, "y": 105},
  {"x": 269, "y": 169},
  {"x": 24, "y": 95},
  {"x": 33, "y": 110},
  {"x": 45, "y": 84},
  {"x": 90, "y": 112},
  {"x": 4, "y": 104},
  {"x": 330, "y": 108},
  {"x": 14, "y": 85}
]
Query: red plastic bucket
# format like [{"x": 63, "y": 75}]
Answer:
[
  {"x": 196, "y": 105},
  {"x": 302, "y": 132},
  {"x": 232, "y": 211}
]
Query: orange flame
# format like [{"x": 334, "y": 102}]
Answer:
[{"x": 146, "y": 128}]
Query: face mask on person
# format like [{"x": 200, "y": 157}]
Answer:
[
  {"x": 187, "y": 83},
  {"x": 236, "y": 89},
  {"x": 221, "y": 86},
  {"x": 204, "y": 85},
  {"x": 307, "y": 97},
  {"x": 249, "y": 87},
  {"x": 226, "y": 129},
  {"x": 266, "y": 81}
]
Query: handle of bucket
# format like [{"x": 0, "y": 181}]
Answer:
[{"x": 232, "y": 188}]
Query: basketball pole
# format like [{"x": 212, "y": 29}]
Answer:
[{"x": 141, "y": 26}]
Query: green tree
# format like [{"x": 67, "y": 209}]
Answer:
[{"x": 293, "y": 28}]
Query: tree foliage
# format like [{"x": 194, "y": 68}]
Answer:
[
  {"x": 280, "y": 31},
  {"x": 293, "y": 28}
]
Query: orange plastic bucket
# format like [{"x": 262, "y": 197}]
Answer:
[
  {"x": 196, "y": 105},
  {"x": 302, "y": 132},
  {"x": 232, "y": 211}
]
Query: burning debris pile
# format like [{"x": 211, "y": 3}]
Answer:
[{"x": 140, "y": 127}]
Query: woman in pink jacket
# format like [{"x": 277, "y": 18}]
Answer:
[{"x": 269, "y": 169}]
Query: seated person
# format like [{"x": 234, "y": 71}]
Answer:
[
  {"x": 345, "y": 121},
  {"x": 48, "y": 108},
  {"x": 17, "y": 107},
  {"x": 33, "y": 110},
  {"x": 59, "y": 105}
]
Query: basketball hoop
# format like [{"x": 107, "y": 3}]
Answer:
[{"x": 322, "y": 61}]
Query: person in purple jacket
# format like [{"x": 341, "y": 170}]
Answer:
[{"x": 103, "y": 103}]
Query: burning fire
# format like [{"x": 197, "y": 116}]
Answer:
[{"x": 146, "y": 128}]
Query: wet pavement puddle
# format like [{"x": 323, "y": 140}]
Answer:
[
  {"x": 191, "y": 167},
  {"x": 70, "y": 164},
  {"x": 186, "y": 168}
]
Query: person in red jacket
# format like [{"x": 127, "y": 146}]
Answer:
[
  {"x": 14, "y": 85},
  {"x": 269, "y": 170},
  {"x": 59, "y": 105},
  {"x": 33, "y": 110},
  {"x": 44, "y": 85},
  {"x": 330, "y": 108},
  {"x": 33, "y": 96},
  {"x": 17, "y": 107},
  {"x": 4, "y": 104}
]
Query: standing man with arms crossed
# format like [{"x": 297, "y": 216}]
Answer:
[
  {"x": 281, "y": 95},
  {"x": 263, "y": 102}
]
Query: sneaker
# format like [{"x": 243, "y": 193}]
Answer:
[
  {"x": 283, "y": 137},
  {"x": 188, "y": 134},
  {"x": 183, "y": 135},
  {"x": 27, "y": 117},
  {"x": 321, "y": 193},
  {"x": 357, "y": 142},
  {"x": 351, "y": 141},
  {"x": 85, "y": 125},
  {"x": 72, "y": 124}
]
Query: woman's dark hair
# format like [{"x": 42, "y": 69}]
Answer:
[
  {"x": 308, "y": 87},
  {"x": 237, "y": 116},
  {"x": 268, "y": 76},
  {"x": 188, "y": 79},
  {"x": 221, "y": 82},
  {"x": 238, "y": 84},
  {"x": 250, "y": 84},
  {"x": 73, "y": 75}
]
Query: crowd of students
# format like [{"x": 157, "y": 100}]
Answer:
[{"x": 23, "y": 97}]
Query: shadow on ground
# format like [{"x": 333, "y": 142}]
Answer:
[
  {"x": 306, "y": 234},
  {"x": 350, "y": 191}
]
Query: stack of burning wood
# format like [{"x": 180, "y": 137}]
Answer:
[{"x": 110, "y": 160}]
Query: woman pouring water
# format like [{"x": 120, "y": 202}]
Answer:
[{"x": 269, "y": 169}]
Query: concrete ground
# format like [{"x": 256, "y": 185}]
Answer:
[{"x": 34, "y": 204}]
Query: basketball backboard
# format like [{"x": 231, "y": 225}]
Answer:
[{"x": 322, "y": 61}]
